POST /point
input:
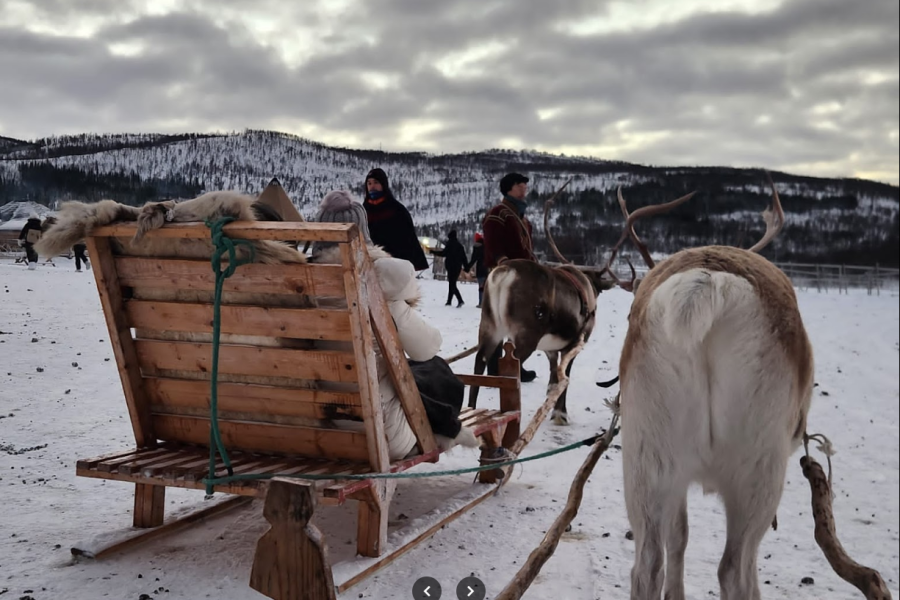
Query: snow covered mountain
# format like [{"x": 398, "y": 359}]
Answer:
[{"x": 829, "y": 220}]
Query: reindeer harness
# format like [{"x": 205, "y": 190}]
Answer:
[{"x": 586, "y": 308}]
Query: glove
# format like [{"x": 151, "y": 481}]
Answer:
[{"x": 20, "y": 242}]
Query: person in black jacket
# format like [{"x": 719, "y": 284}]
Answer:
[
  {"x": 454, "y": 260},
  {"x": 390, "y": 224},
  {"x": 28, "y": 237},
  {"x": 477, "y": 261}
]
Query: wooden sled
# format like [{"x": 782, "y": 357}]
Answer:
[{"x": 297, "y": 355}]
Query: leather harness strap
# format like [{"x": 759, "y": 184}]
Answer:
[{"x": 579, "y": 287}]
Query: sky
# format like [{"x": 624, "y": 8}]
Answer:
[{"x": 805, "y": 86}]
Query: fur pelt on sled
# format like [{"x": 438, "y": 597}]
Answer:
[{"x": 75, "y": 220}]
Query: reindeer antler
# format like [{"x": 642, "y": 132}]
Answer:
[
  {"x": 774, "y": 218},
  {"x": 547, "y": 206},
  {"x": 630, "y": 220}
]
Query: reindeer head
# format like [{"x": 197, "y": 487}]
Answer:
[{"x": 604, "y": 278}]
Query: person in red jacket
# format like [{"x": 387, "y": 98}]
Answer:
[
  {"x": 507, "y": 236},
  {"x": 507, "y": 232}
]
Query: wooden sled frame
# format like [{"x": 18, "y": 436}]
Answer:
[{"x": 279, "y": 392}]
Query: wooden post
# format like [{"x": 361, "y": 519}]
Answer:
[
  {"x": 877, "y": 281},
  {"x": 149, "y": 505},
  {"x": 356, "y": 267},
  {"x": 510, "y": 399},
  {"x": 290, "y": 561},
  {"x": 107, "y": 279},
  {"x": 491, "y": 442},
  {"x": 372, "y": 523}
]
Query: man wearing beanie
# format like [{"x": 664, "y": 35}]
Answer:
[
  {"x": 507, "y": 233},
  {"x": 507, "y": 236},
  {"x": 390, "y": 224}
]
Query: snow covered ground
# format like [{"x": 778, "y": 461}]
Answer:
[{"x": 60, "y": 400}]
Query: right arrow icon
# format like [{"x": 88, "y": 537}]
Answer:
[{"x": 470, "y": 588}]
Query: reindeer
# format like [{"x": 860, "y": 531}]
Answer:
[
  {"x": 716, "y": 378},
  {"x": 542, "y": 307}
]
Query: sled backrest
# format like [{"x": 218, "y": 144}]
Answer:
[{"x": 297, "y": 351}]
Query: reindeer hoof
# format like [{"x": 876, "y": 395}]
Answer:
[{"x": 560, "y": 417}]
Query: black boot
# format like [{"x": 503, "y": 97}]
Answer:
[{"x": 525, "y": 375}]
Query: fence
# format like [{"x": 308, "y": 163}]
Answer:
[
  {"x": 821, "y": 277},
  {"x": 840, "y": 278}
]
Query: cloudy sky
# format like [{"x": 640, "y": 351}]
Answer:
[{"x": 808, "y": 86}]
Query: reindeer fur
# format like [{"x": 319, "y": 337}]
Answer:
[
  {"x": 75, "y": 220},
  {"x": 716, "y": 382}
]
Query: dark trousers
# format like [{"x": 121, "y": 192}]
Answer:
[
  {"x": 30, "y": 253},
  {"x": 481, "y": 281},
  {"x": 452, "y": 278},
  {"x": 79, "y": 255}
]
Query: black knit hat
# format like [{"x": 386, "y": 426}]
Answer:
[
  {"x": 380, "y": 176},
  {"x": 511, "y": 179}
]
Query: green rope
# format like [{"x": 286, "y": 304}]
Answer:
[
  {"x": 221, "y": 244},
  {"x": 406, "y": 475}
]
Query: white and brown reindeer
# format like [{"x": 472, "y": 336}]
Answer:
[
  {"x": 552, "y": 308},
  {"x": 716, "y": 378}
]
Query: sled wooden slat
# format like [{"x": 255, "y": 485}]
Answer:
[
  {"x": 313, "y": 324},
  {"x": 318, "y": 232},
  {"x": 183, "y": 274},
  {"x": 493, "y": 381},
  {"x": 115, "y": 462},
  {"x": 159, "y": 470},
  {"x": 154, "y": 356},
  {"x": 90, "y": 463},
  {"x": 259, "y": 437},
  {"x": 184, "y": 396},
  {"x": 298, "y": 390}
]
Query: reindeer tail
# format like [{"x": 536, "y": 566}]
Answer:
[{"x": 75, "y": 221}]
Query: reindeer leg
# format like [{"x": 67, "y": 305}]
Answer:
[
  {"x": 560, "y": 413},
  {"x": 563, "y": 370},
  {"x": 553, "y": 358}
]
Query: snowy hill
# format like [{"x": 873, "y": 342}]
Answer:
[{"x": 829, "y": 220}]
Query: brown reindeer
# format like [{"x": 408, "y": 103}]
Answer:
[
  {"x": 716, "y": 378},
  {"x": 543, "y": 307}
]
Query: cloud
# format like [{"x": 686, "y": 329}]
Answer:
[{"x": 809, "y": 85}]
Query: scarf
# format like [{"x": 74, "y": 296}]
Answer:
[{"x": 518, "y": 204}]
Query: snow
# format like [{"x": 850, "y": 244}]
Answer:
[{"x": 51, "y": 319}]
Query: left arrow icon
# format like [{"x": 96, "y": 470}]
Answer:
[{"x": 426, "y": 588}]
